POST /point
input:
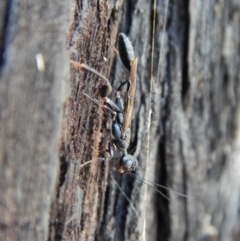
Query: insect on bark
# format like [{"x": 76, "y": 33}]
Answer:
[{"x": 121, "y": 112}]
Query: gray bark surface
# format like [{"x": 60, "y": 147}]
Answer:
[
  {"x": 49, "y": 128},
  {"x": 31, "y": 100}
]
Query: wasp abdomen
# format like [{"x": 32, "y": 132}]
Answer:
[{"x": 126, "y": 51}]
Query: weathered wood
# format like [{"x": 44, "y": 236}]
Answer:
[
  {"x": 80, "y": 201},
  {"x": 48, "y": 128},
  {"x": 33, "y": 35}
]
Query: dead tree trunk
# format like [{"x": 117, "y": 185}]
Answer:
[{"x": 49, "y": 128}]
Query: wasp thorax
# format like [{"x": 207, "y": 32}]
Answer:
[{"x": 127, "y": 163}]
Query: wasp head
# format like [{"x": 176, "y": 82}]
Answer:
[{"x": 127, "y": 163}]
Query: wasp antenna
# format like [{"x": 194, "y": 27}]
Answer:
[
  {"x": 169, "y": 189},
  {"x": 154, "y": 186},
  {"x": 161, "y": 186},
  {"x": 149, "y": 185}
]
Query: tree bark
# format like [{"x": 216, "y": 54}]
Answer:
[{"x": 49, "y": 128}]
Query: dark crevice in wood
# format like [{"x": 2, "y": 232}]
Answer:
[
  {"x": 62, "y": 174},
  {"x": 122, "y": 206},
  {"x": 185, "y": 79},
  {"x": 129, "y": 8},
  {"x": 4, "y": 34},
  {"x": 58, "y": 224},
  {"x": 185, "y": 191},
  {"x": 134, "y": 141},
  {"x": 163, "y": 217}
]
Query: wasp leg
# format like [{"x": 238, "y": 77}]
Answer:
[{"x": 110, "y": 149}]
